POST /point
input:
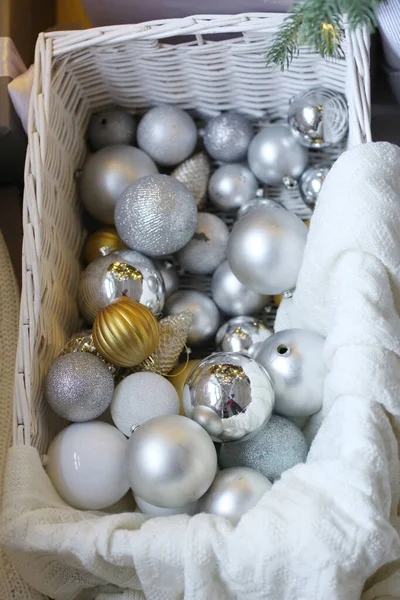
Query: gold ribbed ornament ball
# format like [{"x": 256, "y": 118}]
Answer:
[
  {"x": 125, "y": 332},
  {"x": 107, "y": 238}
]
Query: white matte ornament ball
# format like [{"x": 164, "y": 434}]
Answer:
[
  {"x": 232, "y": 297},
  {"x": 227, "y": 137},
  {"x": 207, "y": 248},
  {"x": 234, "y": 492},
  {"x": 158, "y": 511},
  {"x": 168, "y": 134},
  {"x": 107, "y": 173},
  {"x": 157, "y": 215},
  {"x": 111, "y": 127},
  {"x": 274, "y": 155},
  {"x": 294, "y": 359},
  {"x": 266, "y": 249},
  {"x": 205, "y": 314},
  {"x": 86, "y": 463},
  {"x": 171, "y": 461},
  {"x": 232, "y": 186},
  {"x": 140, "y": 397}
]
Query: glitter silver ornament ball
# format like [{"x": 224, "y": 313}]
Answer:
[
  {"x": 170, "y": 276},
  {"x": 234, "y": 492},
  {"x": 318, "y": 117},
  {"x": 266, "y": 249},
  {"x": 311, "y": 183},
  {"x": 79, "y": 387},
  {"x": 277, "y": 447},
  {"x": 232, "y": 297},
  {"x": 205, "y": 314},
  {"x": 275, "y": 156},
  {"x": 195, "y": 173},
  {"x": 107, "y": 173},
  {"x": 230, "y": 395},
  {"x": 157, "y": 215},
  {"x": 242, "y": 334},
  {"x": 227, "y": 137},
  {"x": 231, "y": 186},
  {"x": 168, "y": 134},
  {"x": 120, "y": 273},
  {"x": 111, "y": 127},
  {"x": 207, "y": 248}
]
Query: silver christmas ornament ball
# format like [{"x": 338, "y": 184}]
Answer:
[
  {"x": 207, "y": 248},
  {"x": 157, "y": 215},
  {"x": 318, "y": 117},
  {"x": 231, "y": 186},
  {"x": 227, "y": 137},
  {"x": 168, "y": 134},
  {"x": 294, "y": 359},
  {"x": 242, "y": 334},
  {"x": 195, "y": 173},
  {"x": 120, "y": 273},
  {"x": 79, "y": 387},
  {"x": 275, "y": 156},
  {"x": 205, "y": 314},
  {"x": 111, "y": 127},
  {"x": 311, "y": 183},
  {"x": 158, "y": 511},
  {"x": 277, "y": 447},
  {"x": 171, "y": 461},
  {"x": 234, "y": 492},
  {"x": 255, "y": 203},
  {"x": 266, "y": 248},
  {"x": 107, "y": 173},
  {"x": 170, "y": 276},
  {"x": 230, "y": 395},
  {"x": 232, "y": 297}
]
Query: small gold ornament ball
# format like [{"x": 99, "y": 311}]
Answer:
[
  {"x": 103, "y": 238},
  {"x": 178, "y": 378},
  {"x": 125, "y": 332}
]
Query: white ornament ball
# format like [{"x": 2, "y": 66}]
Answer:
[
  {"x": 207, "y": 248},
  {"x": 158, "y": 511},
  {"x": 232, "y": 186},
  {"x": 294, "y": 359},
  {"x": 86, "y": 463},
  {"x": 232, "y": 297},
  {"x": 140, "y": 397},
  {"x": 111, "y": 127},
  {"x": 168, "y": 134},
  {"x": 234, "y": 492},
  {"x": 266, "y": 249},
  {"x": 227, "y": 137},
  {"x": 205, "y": 314},
  {"x": 171, "y": 461}
]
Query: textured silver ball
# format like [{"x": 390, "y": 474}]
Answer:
[
  {"x": 242, "y": 334},
  {"x": 171, "y": 461},
  {"x": 232, "y": 297},
  {"x": 107, "y": 173},
  {"x": 228, "y": 136},
  {"x": 277, "y": 447},
  {"x": 231, "y": 186},
  {"x": 311, "y": 183},
  {"x": 205, "y": 314},
  {"x": 318, "y": 117},
  {"x": 111, "y": 127},
  {"x": 79, "y": 387},
  {"x": 230, "y": 395},
  {"x": 168, "y": 134},
  {"x": 158, "y": 511},
  {"x": 274, "y": 155},
  {"x": 120, "y": 273},
  {"x": 234, "y": 492},
  {"x": 195, "y": 173},
  {"x": 207, "y": 248},
  {"x": 294, "y": 359},
  {"x": 157, "y": 215},
  {"x": 266, "y": 248},
  {"x": 169, "y": 275}
]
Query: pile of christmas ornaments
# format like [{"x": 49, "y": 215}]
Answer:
[{"x": 210, "y": 433}]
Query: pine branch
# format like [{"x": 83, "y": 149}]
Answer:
[{"x": 285, "y": 45}]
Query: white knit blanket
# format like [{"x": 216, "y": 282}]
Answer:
[{"x": 327, "y": 525}]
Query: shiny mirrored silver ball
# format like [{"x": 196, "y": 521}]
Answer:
[
  {"x": 242, "y": 334},
  {"x": 311, "y": 183},
  {"x": 120, "y": 273},
  {"x": 229, "y": 395},
  {"x": 107, "y": 173},
  {"x": 231, "y": 186},
  {"x": 294, "y": 359},
  {"x": 266, "y": 249},
  {"x": 207, "y": 248},
  {"x": 170, "y": 276},
  {"x": 274, "y": 155},
  {"x": 234, "y": 492},
  {"x": 255, "y": 203},
  {"x": 205, "y": 314},
  {"x": 232, "y": 297},
  {"x": 111, "y": 127},
  {"x": 227, "y": 137},
  {"x": 318, "y": 117}
]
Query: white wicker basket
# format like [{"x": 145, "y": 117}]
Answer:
[{"x": 77, "y": 72}]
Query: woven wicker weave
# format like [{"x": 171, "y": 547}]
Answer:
[{"x": 77, "y": 72}]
